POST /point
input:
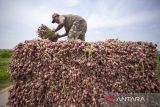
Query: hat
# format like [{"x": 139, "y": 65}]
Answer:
[{"x": 53, "y": 16}]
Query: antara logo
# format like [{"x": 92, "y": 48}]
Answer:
[
  {"x": 131, "y": 99},
  {"x": 110, "y": 99},
  {"x": 113, "y": 99}
]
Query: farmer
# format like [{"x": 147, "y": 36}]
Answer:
[{"x": 75, "y": 26}]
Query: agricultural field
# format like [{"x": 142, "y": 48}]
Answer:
[{"x": 5, "y": 57}]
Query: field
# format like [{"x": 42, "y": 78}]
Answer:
[{"x": 5, "y": 57}]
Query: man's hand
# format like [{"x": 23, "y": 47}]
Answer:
[
  {"x": 54, "y": 30},
  {"x": 57, "y": 35}
]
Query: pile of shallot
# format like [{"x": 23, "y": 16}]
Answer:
[{"x": 78, "y": 73}]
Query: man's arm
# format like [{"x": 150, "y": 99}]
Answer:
[{"x": 59, "y": 27}]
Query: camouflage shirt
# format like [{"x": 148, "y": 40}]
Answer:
[{"x": 68, "y": 20}]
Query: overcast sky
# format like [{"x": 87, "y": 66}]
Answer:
[{"x": 130, "y": 20}]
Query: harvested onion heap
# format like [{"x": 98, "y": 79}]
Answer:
[
  {"x": 46, "y": 33},
  {"x": 78, "y": 73}
]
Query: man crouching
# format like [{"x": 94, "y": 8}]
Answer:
[{"x": 75, "y": 26}]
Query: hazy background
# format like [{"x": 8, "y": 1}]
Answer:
[{"x": 135, "y": 20}]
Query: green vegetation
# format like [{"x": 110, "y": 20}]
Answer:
[
  {"x": 5, "y": 56},
  {"x": 5, "y": 53}
]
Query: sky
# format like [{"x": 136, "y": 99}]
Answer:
[{"x": 128, "y": 20}]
